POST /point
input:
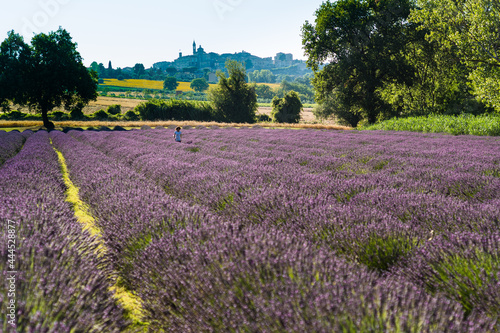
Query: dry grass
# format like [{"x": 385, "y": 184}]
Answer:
[
  {"x": 60, "y": 124},
  {"x": 103, "y": 102},
  {"x": 124, "y": 102}
]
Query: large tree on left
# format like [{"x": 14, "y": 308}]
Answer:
[{"x": 46, "y": 74}]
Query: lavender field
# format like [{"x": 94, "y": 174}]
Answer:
[{"x": 252, "y": 230}]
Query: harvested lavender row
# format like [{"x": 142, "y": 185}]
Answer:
[
  {"x": 60, "y": 284},
  {"x": 10, "y": 144},
  {"x": 130, "y": 209}
]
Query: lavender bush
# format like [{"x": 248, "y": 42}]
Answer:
[
  {"x": 221, "y": 278},
  {"x": 11, "y": 143},
  {"x": 463, "y": 266},
  {"x": 60, "y": 285}
]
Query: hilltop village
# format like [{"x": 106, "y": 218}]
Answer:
[{"x": 201, "y": 61}]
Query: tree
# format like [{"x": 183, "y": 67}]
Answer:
[
  {"x": 439, "y": 83},
  {"x": 170, "y": 83},
  {"x": 263, "y": 91},
  {"x": 303, "y": 90},
  {"x": 286, "y": 109},
  {"x": 101, "y": 71},
  {"x": 139, "y": 70},
  {"x": 94, "y": 66},
  {"x": 14, "y": 55},
  {"x": 171, "y": 71},
  {"x": 470, "y": 29},
  {"x": 199, "y": 85},
  {"x": 364, "y": 42},
  {"x": 110, "y": 72},
  {"x": 47, "y": 74},
  {"x": 262, "y": 76},
  {"x": 232, "y": 97}
]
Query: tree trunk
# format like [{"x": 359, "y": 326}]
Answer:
[
  {"x": 46, "y": 123},
  {"x": 371, "y": 107}
]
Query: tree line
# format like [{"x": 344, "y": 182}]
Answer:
[{"x": 393, "y": 58}]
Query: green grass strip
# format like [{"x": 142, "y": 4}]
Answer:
[
  {"x": 483, "y": 125},
  {"x": 131, "y": 303}
]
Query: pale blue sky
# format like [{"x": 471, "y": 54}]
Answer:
[{"x": 148, "y": 31}]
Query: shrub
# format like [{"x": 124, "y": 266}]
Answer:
[
  {"x": 199, "y": 85},
  {"x": 175, "y": 109},
  {"x": 76, "y": 112},
  {"x": 101, "y": 114},
  {"x": 286, "y": 109},
  {"x": 464, "y": 124},
  {"x": 463, "y": 266},
  {"x": 263, "y": 118},
  {"x": 59, "y": 115},
  {"x": 131, "y": 115},
  {"x": 332, "y": 107},
  {"x": 114, "y": 109},
  {"x": 18, "y": 115},
  {"x": 14, "y": 115}
]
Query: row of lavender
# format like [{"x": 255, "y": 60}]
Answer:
[
  {"x": 282, "y": 208},
  {"x": 59, "y": 285},
  {"x": 11, "y": 143}
]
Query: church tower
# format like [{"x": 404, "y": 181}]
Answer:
[{"x": 194, "y": 47}]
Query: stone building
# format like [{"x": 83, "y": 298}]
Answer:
[{"x": 213, "y": 61}]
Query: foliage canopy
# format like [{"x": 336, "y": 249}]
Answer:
[
  {"x": 170, "y": 83},
  {"x": 286, "y": 109},
  {"x": 387, "y": 58},
  {"x": 471, "y": 30},
  {"x": 233, "y": 98},
  {"x": 364, "y": 42},
  {"x": 199, "y": 85},
  {"x": 46, "y": 74}
]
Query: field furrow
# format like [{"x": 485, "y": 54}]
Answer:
[
  {"x": 130, "y": 210},
  {"x": 127, "y": 300}
]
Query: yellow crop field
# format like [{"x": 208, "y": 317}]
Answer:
[
  {"x": 271, "y": 85},
  {"x": 145, "y": 84}
]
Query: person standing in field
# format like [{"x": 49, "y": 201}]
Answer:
[{"x": 178, "y": 134}]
